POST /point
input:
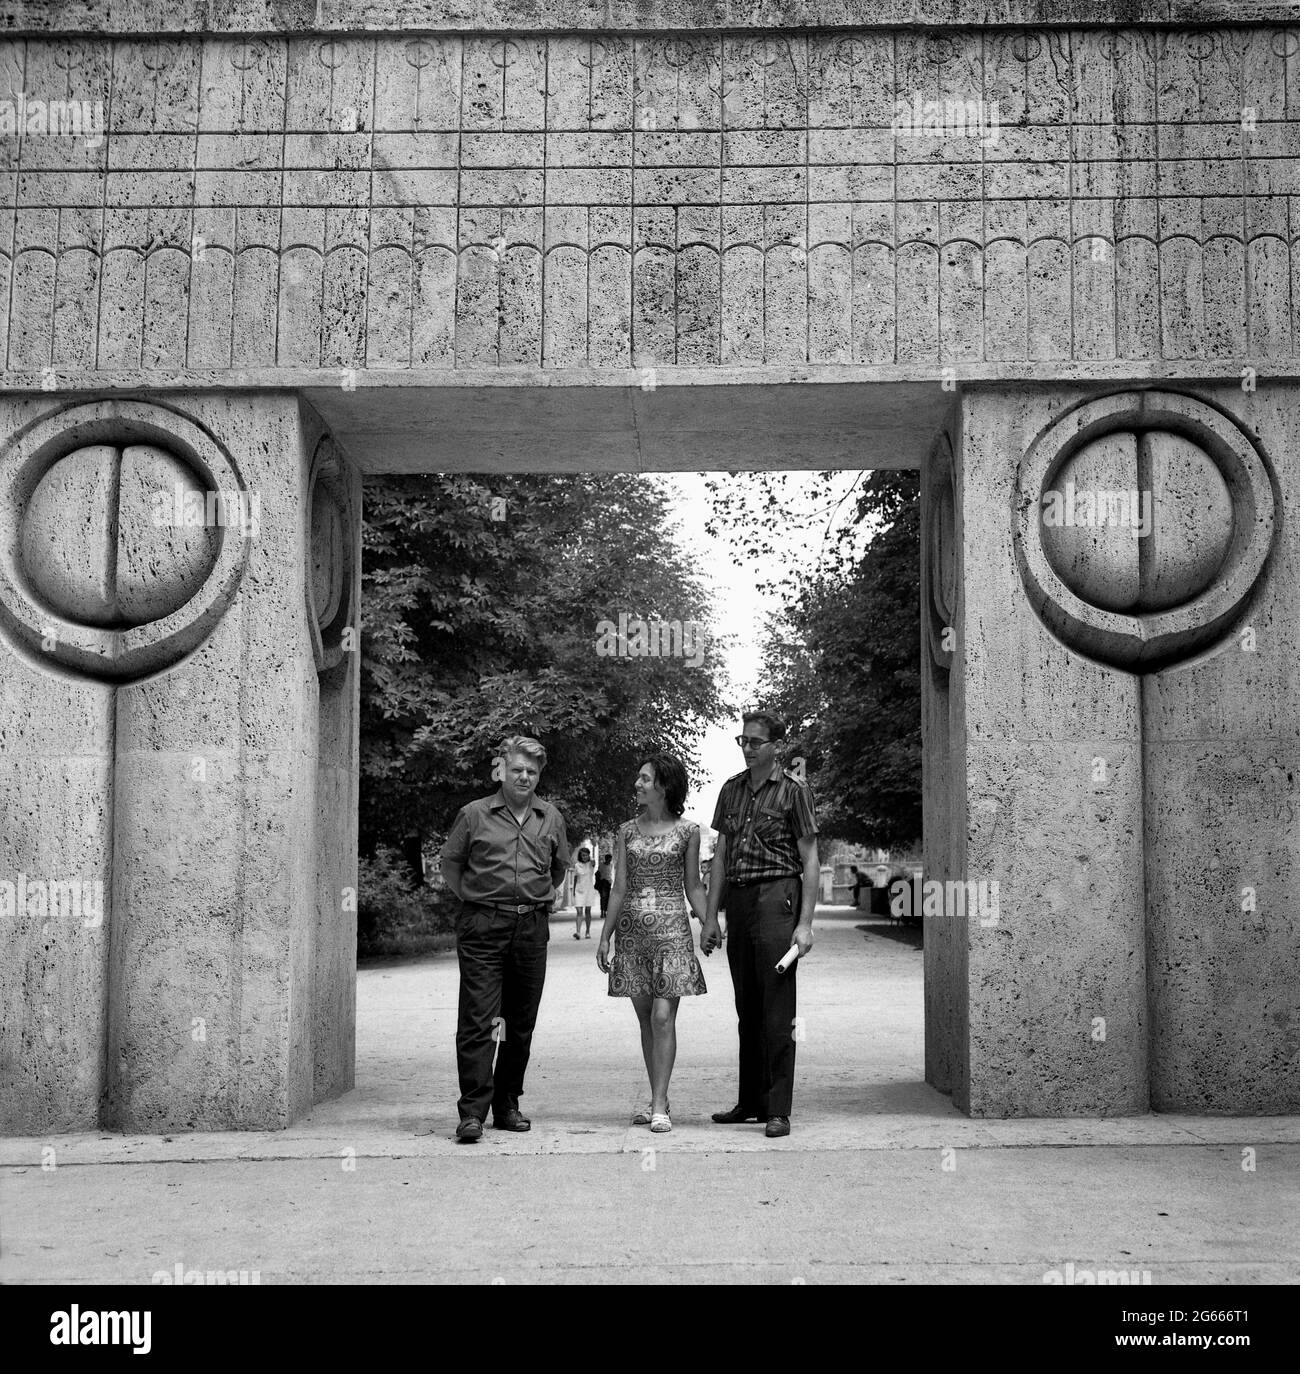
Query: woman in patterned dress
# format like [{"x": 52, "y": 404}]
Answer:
[{"x": 654, "y": 963}]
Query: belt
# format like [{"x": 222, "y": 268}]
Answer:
[
  {"x": 754, "y": 882},
  {"x": 519, "y": 908}
]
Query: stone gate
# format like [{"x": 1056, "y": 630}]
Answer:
[{"x": 251, "y": 251}]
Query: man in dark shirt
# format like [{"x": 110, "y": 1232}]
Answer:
[
  {"x": 860, "y": 880},
  {"x": 504, "y": 858},
  {"x": 765, "y": 873}
]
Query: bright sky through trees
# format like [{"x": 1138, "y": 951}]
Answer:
[{"x": 745, "y": 605}]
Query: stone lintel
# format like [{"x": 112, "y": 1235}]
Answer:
[
  {"x": 152, "y": 17},
  {"x": 626, "y": 429},
  {"x": 639, "y": 420}
]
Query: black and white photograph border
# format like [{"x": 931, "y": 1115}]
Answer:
[{"x": 511, "y": 507}]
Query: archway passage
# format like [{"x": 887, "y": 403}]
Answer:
[
  {"x": 1137, "y": 822},
  {"x": 588, "y": 563}
]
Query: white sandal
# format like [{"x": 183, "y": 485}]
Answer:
[
  {"x": 659, "y": 1123},
  {"x": 645, "y": 1116}
]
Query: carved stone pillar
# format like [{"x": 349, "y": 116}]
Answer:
[
  {"x": 177, "y": 762},
  {"x": 1122, "y": 724}
]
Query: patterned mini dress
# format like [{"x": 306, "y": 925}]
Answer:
[{"x": 654, "y": 950}]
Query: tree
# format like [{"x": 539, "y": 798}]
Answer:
[
  {"x": 482, "y": 598},
  {"x": 843, "y": 661}
]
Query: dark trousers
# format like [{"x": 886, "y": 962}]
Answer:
[
  {"x": 760, "y": 928},
  {"x": 502, "y": 969}
]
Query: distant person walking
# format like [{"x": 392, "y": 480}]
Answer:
[
  {"x": 860, "y": 880},
  {"x": 765, "y": 874},
  {"x": 605, "y": 882},
  {"x": 654, "y": 963},
  {"x": 584, "y": 891},
  {"x": 504, "y": 858}
]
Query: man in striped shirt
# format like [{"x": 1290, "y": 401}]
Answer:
[{"x": 765, "y": 873}]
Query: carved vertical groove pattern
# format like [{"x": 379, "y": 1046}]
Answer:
[{"x": 398, "y": 203}]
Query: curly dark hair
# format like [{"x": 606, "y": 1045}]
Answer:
[
  {"x": 670, "y": 774},
  {"x": 775, "y": 725}
]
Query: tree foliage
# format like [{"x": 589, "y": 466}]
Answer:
[
  {"x": 843, "y": 661},
  {"x": 482, "y": 597}
]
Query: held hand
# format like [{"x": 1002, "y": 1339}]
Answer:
[
  {"x": 602, "y": 956},
  {"x": 803, "y": 937},
  {"x": 710, "y": 935}
]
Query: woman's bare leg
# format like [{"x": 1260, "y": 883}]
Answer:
[{"x": 663, "y": 1024}]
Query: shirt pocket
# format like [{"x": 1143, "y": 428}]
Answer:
[
  {"x": 536, "y": 852},
  {"x": 769, "y": 825},
  {"x": 731, "y": 819}
]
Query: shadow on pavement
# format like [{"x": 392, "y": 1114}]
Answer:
[{"x": 911, "y": 936}]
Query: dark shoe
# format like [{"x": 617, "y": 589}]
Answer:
[
  {"x": 777, "y": 1126},
  {"x": 470, "y": 1131},
  {"x": 512, "y": 1119},
  {"x": 736, "y": 1115}
]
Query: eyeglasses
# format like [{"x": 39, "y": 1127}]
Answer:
[{"x": 751, "y": 741}]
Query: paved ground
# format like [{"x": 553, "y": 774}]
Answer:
[{"x": 880, "y": 1181}]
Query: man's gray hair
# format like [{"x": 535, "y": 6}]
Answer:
[{"x": 526, "y": 745}]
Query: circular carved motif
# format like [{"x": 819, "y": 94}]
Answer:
[
  {"x": 1156, "y": 526},
  {"x": 505, "y": 53},
  {"x": 1285, "y": 43},
  {"x": 1143, "y": 522},
  {"x": 69, "y": 56},
  {"x": 331, "y": 54},
  {"x": 161, "y": 55},
  {"x": 124, "y": 532},
  {"x": 678, "y": 52},
  {"x": 104, "y": 541},
  {"x": 941, "y": 556},
  {"x": 331, "y": 572},
  {"x": 1025, "y": 47},
  {"x": 419, "y": 53},
  {"x": 594, "y": 57},
  {"x": 850, "y": 52},
  {"x": 250, "y": 55}
]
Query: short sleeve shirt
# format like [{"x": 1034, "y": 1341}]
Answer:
[
  {"x": 504, "y": 861},
  {"x": 763, "y": 827}
]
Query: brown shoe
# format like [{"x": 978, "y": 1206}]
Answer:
[
  {"x": 470, "y": 1131},
  {"x": 777, "y": 1126}
]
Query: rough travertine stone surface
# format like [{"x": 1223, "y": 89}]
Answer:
[
  {"x": 1222, "y": 770},
  {"x": 389, "y": 203},
  {"x": 56, "y": 823},
  {"x": 943, "y": 736},
  {"x": 1128, "y": 822},
  {"x": 255, "y": 16},
  {"x": 1066, "y": 853},
  {"x": 215, "y": 801}
]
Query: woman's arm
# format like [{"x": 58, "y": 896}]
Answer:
[
  {"x": 695, "y": 893},
  {"x": 616, "y": 895}
]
